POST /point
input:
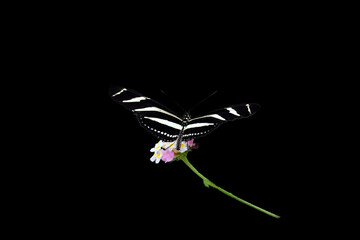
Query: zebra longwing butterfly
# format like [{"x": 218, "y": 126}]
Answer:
[{"x": 168, "y": 126}]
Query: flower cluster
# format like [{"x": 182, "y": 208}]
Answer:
[{"x": 167, "y": 151}]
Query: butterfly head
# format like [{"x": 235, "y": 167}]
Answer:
[{"x": 186, "y": 117}]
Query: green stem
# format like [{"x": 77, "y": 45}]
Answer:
[{"x": 208, "y": 183}]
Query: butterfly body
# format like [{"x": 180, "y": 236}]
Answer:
[{"x": 167, "y": 125}]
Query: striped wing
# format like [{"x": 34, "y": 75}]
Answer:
[
  {"x": 153, "y": 116},
  {"x": 203, "y": 125}
]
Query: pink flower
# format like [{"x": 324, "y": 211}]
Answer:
[
  {"x": 192, "y": 144},
  {"x": 167, "y": 155},
  {"x": 167, "y": 152}
]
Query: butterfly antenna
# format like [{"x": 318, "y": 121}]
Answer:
[
  {"x": 172, "y": 100},
  {"x": 202, "y": 101}
]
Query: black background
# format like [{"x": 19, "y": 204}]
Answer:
[
  {"x": 100, "y": 179},
  {"x": 263, "y": 159}
]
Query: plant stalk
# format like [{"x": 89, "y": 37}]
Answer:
[{"x": 208, "y": 183}]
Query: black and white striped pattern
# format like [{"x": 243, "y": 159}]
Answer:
[{"x": 168, "y": 126}]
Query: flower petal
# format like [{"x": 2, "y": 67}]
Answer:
[
  {"x": 153, "y": 157},
  {"x": 167, "y": 155},
  {"x": 169, "y": 145},
  {"x": 158, "y": 156},
  {"x": 183, "y": 147}
]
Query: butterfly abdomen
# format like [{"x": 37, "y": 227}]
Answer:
[{"x": 179, "y": 140}]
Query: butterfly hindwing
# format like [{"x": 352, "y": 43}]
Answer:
[{"x": 160, "y": 128}]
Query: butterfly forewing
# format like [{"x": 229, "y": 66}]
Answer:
[
  {"x": 153, "y": 116},
  {"x": 200, "y": 126},
  {"x": 132, "y": 100}
]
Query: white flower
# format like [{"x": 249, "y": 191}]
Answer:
[
  {"x": 157, "y": 152},
  {"x": 169, "y": 145},
  {"x": 157, "y": 147},
  {"x": 157, "y": 156},
  {"x": 183, "y": 147}
]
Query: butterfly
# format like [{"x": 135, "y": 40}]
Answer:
[{"x": 166, "y": 125}]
